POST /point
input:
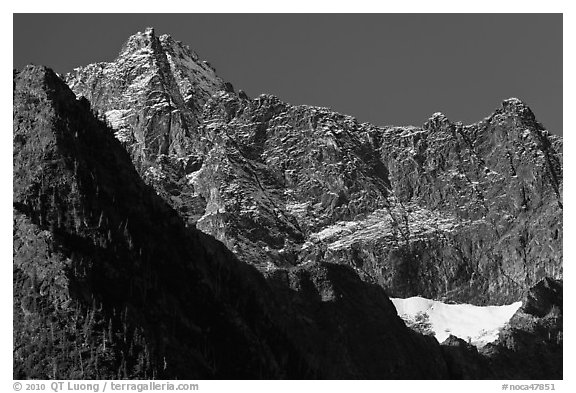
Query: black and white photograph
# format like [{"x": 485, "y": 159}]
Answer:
[{"x": 287, "y": 196}]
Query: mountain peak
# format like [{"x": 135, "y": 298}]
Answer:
[
  {"x": 37, "y": 73},
  {"x": 147, "y": 42},
  {"x": 438, "y": 120},
  {"x": 140, "y": 41},
  {"x": 172, "y": 46},
  {"x": 42, "y": 80},
  {"x": 156, "y": 75},
  {"x": 513, "y": 101},
  {"x": 517, "y": 107}
]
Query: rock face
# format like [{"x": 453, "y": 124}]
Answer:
[
  {"x": 334, "y": 213},
  {"x": 445, "y": 211},
  {"x": 451, "y": 212},
  {"x": 109, "y": 283},
  {"x": 530, "y": 347},
  {"x": 152, "y": 95}
]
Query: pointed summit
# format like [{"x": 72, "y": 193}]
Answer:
[
  {"x": 438, "y": 120},
  {"x": 139, "y": 41},
  {"x": 517, "y": 107},
  {"x": 152, "y": 94},
  {"x": 438, "y": 116}
]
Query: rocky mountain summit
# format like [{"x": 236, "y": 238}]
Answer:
[
  {"x": 152, "y": 94},
  {"x": 126, "y": 172},
  {"x": 446, "y": 211}
]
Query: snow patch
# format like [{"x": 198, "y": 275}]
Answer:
[
  {"x": 297, "y": 209},
  {"x": 384, "y": 223},
  {"x": 478, "y": 325},
  {"x": 116, "y": 117},
  {"x": 118, "y": 121}
]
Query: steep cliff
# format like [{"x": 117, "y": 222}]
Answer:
[
  {"x": 152, "y": 95},
  {"x": 462, "y": 213},
  {"x": 445, "y": 211}
]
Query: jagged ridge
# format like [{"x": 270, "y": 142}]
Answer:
[{"x": 469, "y": 213}]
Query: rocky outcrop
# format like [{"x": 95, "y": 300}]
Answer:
[
  {"x": 529, "y": 347},
  {"x": 109, "y": 282},
  {"x": 464, "y": 361}
]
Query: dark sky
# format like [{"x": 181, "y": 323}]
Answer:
[{"x": 381, "y": 68}]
